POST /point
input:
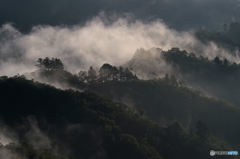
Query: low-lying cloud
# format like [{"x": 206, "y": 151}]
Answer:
[{"x": 93, "y": 44}]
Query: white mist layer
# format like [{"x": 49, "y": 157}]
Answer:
[
  {"x": 149, "y": 64},
  {"x": 4, "y": 140},
  {"x": 93, "y": 44}
]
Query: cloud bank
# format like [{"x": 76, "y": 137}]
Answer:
[{"x": 94, "y": 43}]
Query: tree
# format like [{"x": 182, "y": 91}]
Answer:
[
  {"x": 50, "y": 64},
  {"x": 92, "y": 74},
  {"x": 108, "y": 72},
  {"x": 217, "y": 60},
  {"x": 226, "y": 62},
  {"x": 82, "y": 76}
]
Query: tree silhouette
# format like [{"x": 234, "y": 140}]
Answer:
[
  {"x": 50, "y": 64},
  {"x": 109, "y": 72},
  {"x": 92, "y": 74}
]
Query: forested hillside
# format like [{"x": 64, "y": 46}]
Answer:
[
  {"x": 90, "y": 126},
  {"x": 164, "y": 100},
  {"x": 122, "y": 79},
  {"x": 217, "y": 77}
]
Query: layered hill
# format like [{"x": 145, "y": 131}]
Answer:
[
  {"x": 216, "y": 77},
  {"x": 90, "y": 126},
  {"x": 166, "y": 99}
]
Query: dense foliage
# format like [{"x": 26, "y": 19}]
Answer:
[
  {"x": 217, "y": 77},
  {"x": 90, "y": 126},
  {"x": 164, "y": 101},
  {"x": 50, "y": 64}
]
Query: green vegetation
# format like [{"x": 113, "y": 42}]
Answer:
[
  {"x": 50, "y": 64},
  {"x": 90, "y": 126},
  {"x": 106, "y": 73},
  {"x": 217, "y": 77},
  {"x": 165, "y": 101}
]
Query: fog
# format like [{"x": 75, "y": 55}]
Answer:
[
  {"x": 96, "y": 42},
  {"x": 10, "y": 136}
]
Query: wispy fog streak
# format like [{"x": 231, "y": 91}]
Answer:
[{"x": 93, "y": 44}]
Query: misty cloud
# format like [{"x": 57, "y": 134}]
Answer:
[
  {"x": 36, "y": 137},
  {"x": 97, "y": 42},
  {"x": 149, "y": 64},
  {"x": 7, "y": 135},
  {"x": 4, "y": 139}
]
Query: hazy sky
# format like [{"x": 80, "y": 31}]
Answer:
[{"x": 179, "y": 14}]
